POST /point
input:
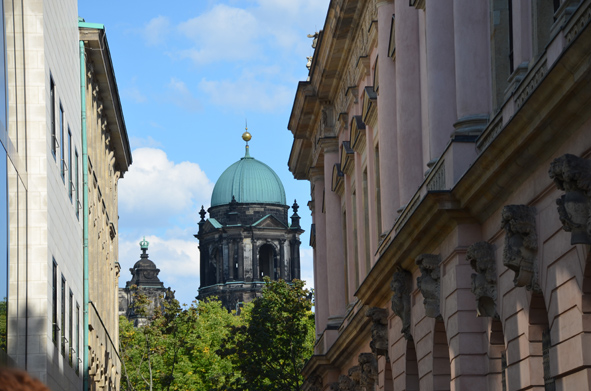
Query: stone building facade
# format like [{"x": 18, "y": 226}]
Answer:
[
  {"x": 247, "y": 236},
  {"x": 450, "y": 143},
  {"x": 42, "y": 226},
  {"x": 109, "y": 157}
]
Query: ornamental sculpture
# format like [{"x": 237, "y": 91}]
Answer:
[
  {"x": 521, "y": 244},
  {"x": 573, "y": 175},
  {"x": 428, "y": 283},
  {"x": 314, "y": 383},
  {"x": 369, "y": 370},
  {"x": 347, "y": 384},
  {"x": 401, "y": 287},
  {"x": 379, "y": 330},
  {"x": 355, "y": 375},
  {"x": 481, "y": 256}
]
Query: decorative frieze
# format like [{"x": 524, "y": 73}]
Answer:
[
  {"x": 481, "y": 256},
  {"x": 401, "y": 287},
  {"x": 379, "y": 330},
  {"x": 429, "y": 284},
  {"x": 521, "y": 244},
  {"x": 572, "y": 174}
]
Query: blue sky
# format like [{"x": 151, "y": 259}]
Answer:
[{"x": 189, "y": 74}]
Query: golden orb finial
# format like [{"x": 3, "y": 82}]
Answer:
[{"x": 246, "y": 136}]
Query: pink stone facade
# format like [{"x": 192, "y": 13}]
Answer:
[{"x": 448, "y": 148}]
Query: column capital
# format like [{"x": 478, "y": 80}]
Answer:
[
  {"x": 316, "y": 174},
  {"x": 380, "y": 3},
  {"x": 329, "y": 144}
]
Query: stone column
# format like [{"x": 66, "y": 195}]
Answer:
[
  {"x": 390, "y": 198},
  {"x": 441, "y": 83},
  {"x": 225, "y": 261},
  {"x": 320, "y": 261},
  {"x": 472, "y": 63},
  {"x": 203, "y": 269},
  {"x": 295, "y": 259},
  {"x": 240, "y": 276},
  {"x": 334, "y": 238},
  {"x": 408, "y": 101},
  {"x": 282, "y": 260}
]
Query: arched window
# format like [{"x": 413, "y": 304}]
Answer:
[{"x": 266, "y": 262}]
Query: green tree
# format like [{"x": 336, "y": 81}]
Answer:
[
  {"x": 272, "y": 346},
  {"x": 177, "y": 349}
]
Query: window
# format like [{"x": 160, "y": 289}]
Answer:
[
  {"x": 77, "y": 184},
  {"x": 70, "y": 330},
  {"x": 511, "y": 67},
  {"x": 378, "y": 194},
  {"x": 366, "y": 222},
  {"x": 63, "y": 322},
  {"x": 54, "y": 304},
  {"x": 52, "y": 105},
  {"x": 70, "y": 184},
  {"x": 62, "y": 161}
]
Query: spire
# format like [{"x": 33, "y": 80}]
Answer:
[{"x": 246, "y": 137}]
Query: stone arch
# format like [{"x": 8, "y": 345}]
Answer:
[
  {"x": 497, "y": 356},
  {"x": 540, "y": 341},
  {"x": 267, "y": 261},
  {"x": 441, "y": 363},
  {"x": 411, "y": 367}
]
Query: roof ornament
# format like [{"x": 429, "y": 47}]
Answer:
[
  {"x": 144, "y": 244},
  {"x": 246, "y": 137}
]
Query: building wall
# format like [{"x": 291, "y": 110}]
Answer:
[
  {"x": 41, "y": 46},
  {"x": 428, "y": 136}
]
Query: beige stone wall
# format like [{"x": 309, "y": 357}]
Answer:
[
  {"x": 454, "y": 164},
  {"x": 42, "y": 44},
  {"x": 104, "y": 268}
]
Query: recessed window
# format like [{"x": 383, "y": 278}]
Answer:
[
  {"x": 53, "y": 124},
  {"x": 55, "y": 327},
  {"x": 62, "y": 149},
  {"x": 77, "y": 183},
  {"x": 63, "y": 322},
  {"x": 70, "y": 330},
  {"x": 69, "y": 167}
]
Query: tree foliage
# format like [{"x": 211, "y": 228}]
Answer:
[
  {"x": 204, "y": 347},
  {"x": 177, "y": 350},
  {"x": 277, "y": 337}
]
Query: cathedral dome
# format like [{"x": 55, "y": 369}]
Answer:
[{"x": 248, "y": 180}]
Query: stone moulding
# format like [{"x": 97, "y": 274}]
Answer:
[
  {"x": 521, "y": 244},
  {"x": 429, "y": 284},
  {"x": 379, "y": 330},
  {"x": 401, "y": 287},
  {"x": 572, "y": 174},
  {"x": 481, "y": 256}
]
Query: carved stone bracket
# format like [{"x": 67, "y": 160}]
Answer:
[
  {"x": 401, "y": 287},
  {"x": 369, "y": 370},
  {"x": 347, "y": 384},
  {"x": 313, "y": 383},
  {"x": 521, "y": 244},
  {"x": 573, "y": 175},
  {"x": 379, "y": 330},
  {"x": 429, "y": 284},
  {"x": 481, "y": 256}
]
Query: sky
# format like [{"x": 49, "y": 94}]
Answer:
[{"x": 190, "y": 73}]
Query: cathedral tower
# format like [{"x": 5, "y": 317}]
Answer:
[{"x": 247, "y": 236}]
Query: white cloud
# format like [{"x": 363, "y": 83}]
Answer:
[
  {"x": 179, "y": 94},
  {"x": 139, "y": 142},
  {"x": 157, "y": 190},
  {"x": 223, "y": 33},
  {"x": 307, "y": 266},
  {"x": 156, "y": 30},
  {"x": 248, "y": 93}
]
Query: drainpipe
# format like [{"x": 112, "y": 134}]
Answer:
[{"x": 84, "y": 212}]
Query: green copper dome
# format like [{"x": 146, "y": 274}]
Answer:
[{"x": 248, "y": 180}]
